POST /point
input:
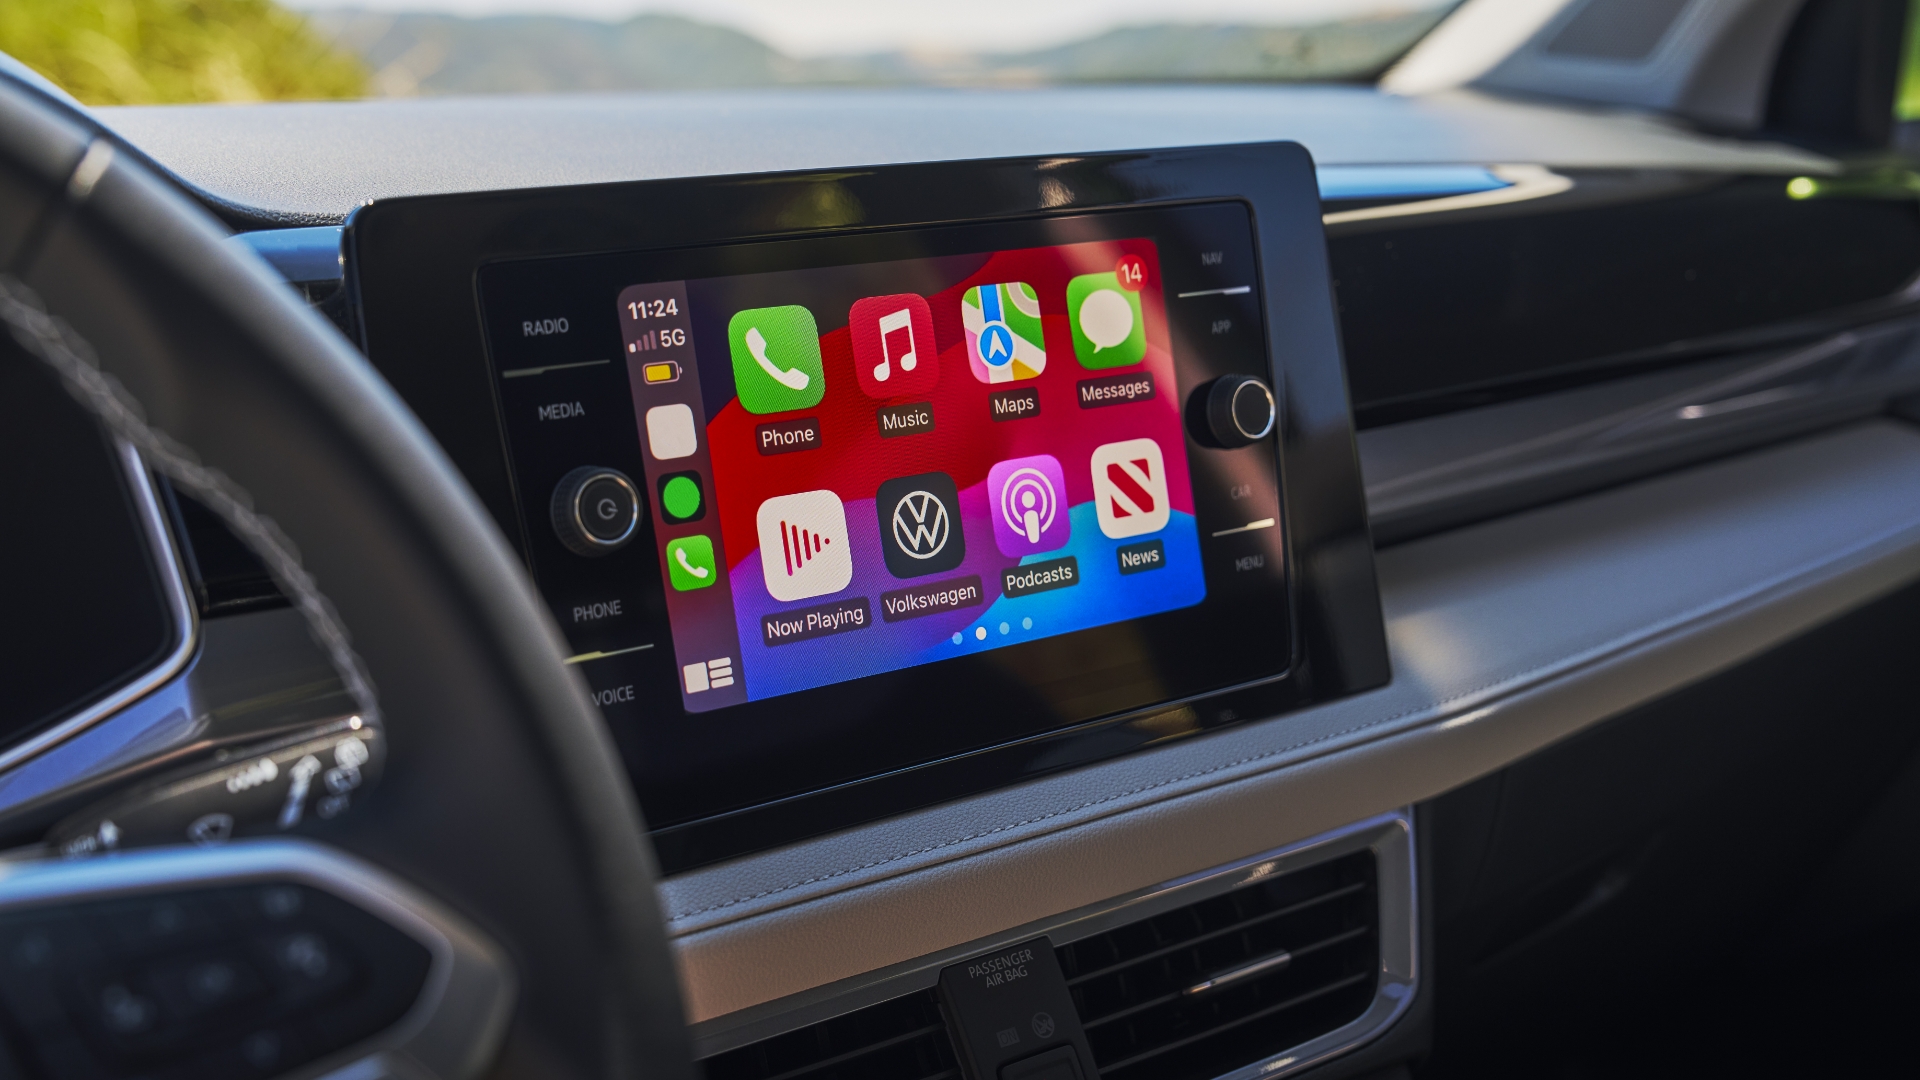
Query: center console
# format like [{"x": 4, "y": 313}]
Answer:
[{"x": 862, "y": 490}]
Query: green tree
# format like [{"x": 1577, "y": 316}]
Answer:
[{"x": 128, "y": 52}]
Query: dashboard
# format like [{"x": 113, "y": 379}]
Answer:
[{"x": 1189, "y": 564}]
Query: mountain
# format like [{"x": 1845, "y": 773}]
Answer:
[{"x": 447, "y": 54}]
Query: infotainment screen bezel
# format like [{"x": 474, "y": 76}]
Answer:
[{"x": 414, "y": 269}]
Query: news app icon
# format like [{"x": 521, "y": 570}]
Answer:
[
  {"x": 893, "y": 353},
  {"x": 803, "y": 545},
  {"x": 920, "y": 525},
  {"x": 1004, "y": 342},
  {"x": 1028, "y": 504},
  {"x": 1130, "y": 488}
]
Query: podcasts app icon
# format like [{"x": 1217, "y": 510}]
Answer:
[
  {"x": 920, "y": 525},
  {"x": 1028, "y": 503}
]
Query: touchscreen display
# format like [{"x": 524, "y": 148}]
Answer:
[
  {"x": 857, "y": 469},
  {"x": 816, "y": 510}
]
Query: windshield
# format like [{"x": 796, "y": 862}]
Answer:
[{"x": 136, "y": 51}]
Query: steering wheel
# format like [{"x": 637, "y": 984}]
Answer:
[{"x": 501, "y": 796}]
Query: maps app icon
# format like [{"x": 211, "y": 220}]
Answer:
[{"x": 1004, "y": 343}]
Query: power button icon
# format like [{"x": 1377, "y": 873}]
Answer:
[{"x": 595, "y": 510}]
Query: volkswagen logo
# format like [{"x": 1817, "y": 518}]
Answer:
[{"x": 920, "y": 524}]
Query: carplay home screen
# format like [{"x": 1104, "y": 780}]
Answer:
[{"x": 864, "y": 468}]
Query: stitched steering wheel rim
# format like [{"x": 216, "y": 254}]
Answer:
[{"x": 502, "y": 793}]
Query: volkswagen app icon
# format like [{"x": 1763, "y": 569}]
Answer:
[{"x": 920, "y": 525}]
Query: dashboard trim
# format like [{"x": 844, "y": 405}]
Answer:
[
  {"x": 180, "y": 611},
  {"x": 1389, "y": 835},
  {"x": 1507, "y": 636}
]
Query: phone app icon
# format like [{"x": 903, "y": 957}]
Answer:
[
  {"x": 893, "y": 353},
  {"x": 1107, "y": 328},
  {"x": 1028, "y": 500},
  {"x": 690, "y": 563},
  {"x": 920, "y": 525},
  {"x": 776, "y": 359},
  {"x": 681, "y": 498},
  {"x": 1130, "y": 488},
  {"x": 803, "y": 545},
  {"x": 1004, "y": 343}
]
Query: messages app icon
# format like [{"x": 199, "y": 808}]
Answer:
[
  {"x": 776, "y": 359},
  {"x": 1107, "y": 330}
]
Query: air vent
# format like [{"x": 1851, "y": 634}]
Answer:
[
  {"x": 902, "y": 1039},
  {"x": 1202, "y": 990}
]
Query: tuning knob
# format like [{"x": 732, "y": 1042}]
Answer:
[
  {"x": 595, "y": 510},
  {"x": 1240, "y": 410}
]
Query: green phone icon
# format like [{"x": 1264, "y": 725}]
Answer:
[
  {"x": 690, "y": 563},
  {"x": 776, "y": 359},
  {"x": 1107, "y": 328}
]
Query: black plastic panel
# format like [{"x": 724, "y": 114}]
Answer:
[
  {"x": 81, "y": 591},
  {"x": 241, "y": 983},
  {"x": 1626, "y": 271}
]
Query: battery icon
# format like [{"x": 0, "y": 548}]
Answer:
[{"x": 660, "y": 371}]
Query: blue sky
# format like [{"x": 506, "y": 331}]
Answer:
[{"x": 824, "y": 27}]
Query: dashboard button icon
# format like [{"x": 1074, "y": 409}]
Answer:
[
  {"x": 920, "y": 525},
  {"x": 803, "y": 545},
  {"x": 776, "y": 359},
  {"x": 1028, "y": 503},
  {"x": 893, "y": 351},
  {"x": 690, "y": 563},
  {"x": 1130, "y": 488},
  {"x": 1004, "y": 342}
]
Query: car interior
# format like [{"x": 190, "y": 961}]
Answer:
[{"x": 1507, "y": 486}]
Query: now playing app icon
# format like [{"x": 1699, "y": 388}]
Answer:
[
  {"x": 803, "y": 545},
  {"x": 920, "y": 525},
  {"x": 1130, "y": 488}
]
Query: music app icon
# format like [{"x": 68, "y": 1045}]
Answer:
[{"x": 893, "y": 350}]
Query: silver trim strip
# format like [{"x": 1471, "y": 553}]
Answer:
[
  {"x": 1524, "y": 182},
  {"x": 1389, "y": 836},
  {"x": 186, "y": 624},
  {"x": 1277, "y": 960},
  {"x": 451, "y": 1032}
]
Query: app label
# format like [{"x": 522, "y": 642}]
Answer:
[
  {"x": 1028, "y": 503},
  {"x": 893, "y": 350},
  {"x": 776, "y": 359},
  {"x": 1004, "y": 342},
  {"x": 803, "y": 545}
]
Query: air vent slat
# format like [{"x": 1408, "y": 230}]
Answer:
[
  {"x": 902, "y": 1039},
  {"x": 1190, "y": 942},
  {"x": 837, "y": 1059},
  {"x": 1109, "y": 1068},
  {"x": 1302, "y": 951},
  {"x": 1130, "y": 983}
]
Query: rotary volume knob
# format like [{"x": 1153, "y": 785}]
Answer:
[
  {"x": 595, "y": 510},
  {"x": 1240, "y": 410}
]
